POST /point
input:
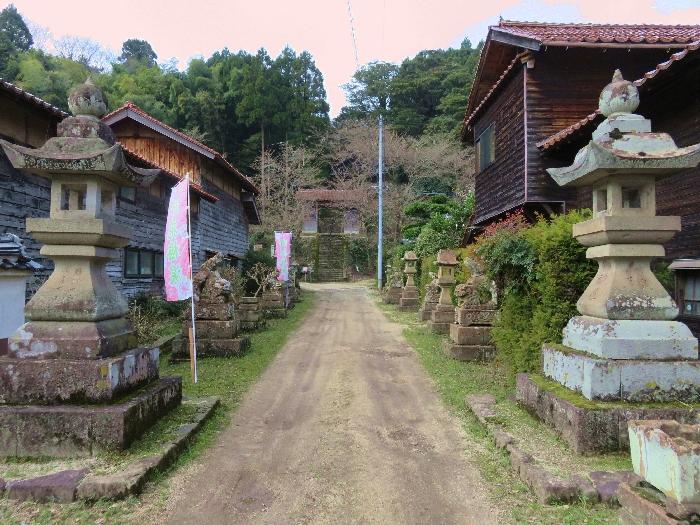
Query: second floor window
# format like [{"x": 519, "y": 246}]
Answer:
[{"x": 485, "y": 149}]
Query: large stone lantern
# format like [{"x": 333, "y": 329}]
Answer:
[
  {"x": 409, "y": 294},
  {"x": 444, "y": 313},
  {"x": 77, "y": 348},
  {"x": 626, "y": 344}
]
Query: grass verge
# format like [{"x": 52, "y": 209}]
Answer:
[
  {"x": 454, "y": 381},
  {"x": 229, "y": 379}
]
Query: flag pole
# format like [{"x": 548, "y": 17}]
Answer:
[{"x": 192, "y": 331}]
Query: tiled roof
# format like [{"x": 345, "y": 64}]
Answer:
[
  {"x": 555, "y": 139},
  {"x": 325, "y": 195},
  {"x": 32, "y": 99},
  {"x": 196, "y": 187},
  {"x": 553, "y": 33},
  {"x": 218, "y": 157},
  {"x": 494, "y": 88},
  {"x": 13, "y": 255}
]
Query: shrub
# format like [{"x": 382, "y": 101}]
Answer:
[
  {"x": 445, "y": 229},
  {"x": 251, "y": 259},
  {"x": 541, "y": 271}
]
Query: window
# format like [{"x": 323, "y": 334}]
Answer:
[
  {"x": 142, "y": 263},
  {"x": 691, "y": 294},
  {"x": 156, "y": 189},
  {"x": 485, "y": 148},
  {"x": 352, "y": 222},
  {"x": 127, "y": 194},
  {"x": 310, "y": 224},
  {"x": 194, "y": 205}
]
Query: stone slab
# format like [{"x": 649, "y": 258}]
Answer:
[
  {"x": 83, "y": 430},
  {"x": 212, "y": 329},
  {"x": 60, "y": 487},
  {"x": 55, "y": 381},
  {"x": 426, "y": 311},
  {"x": 214, "y": 311},
  {"x": 408, "y": 307},
  {"x": 443, "y": 314},
  {"x": 477, "y": 353},
  {"x": 248, "y": 315},
  {"x": 470, "y": 335},
  {"x": 251, "y": 326},
  {"x": 211, "y": 348},
  {"x": 638, "y": 510},
  {"x": 475, "y": 316},
  {"x": 629, "y": 380},
  {"x": 439, "y": 328},
  {"x": 630, "y": 339},
  {"x": 599, "y": 428}
]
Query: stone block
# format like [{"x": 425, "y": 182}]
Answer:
[
  {"x": 477, "y": 353},
  {"x": 210, "y": 329},
  {"x": 624, "y": 379},
  {"x": 666, "y": 454},
  {"x": 638, "y": 510},
  {"x": 72, "y": 340},
  {"x": 630, "y": 339},
  {"x": 60, "y": 487},
  {"x": 426, "y": 311},
  {"x": 54, "y": 381},
  {"x": 607, "y": 483},
  {"x": 467, "y": 316},
  {"x": 83, "y": 430},
  {"x": 439, "y": 328},
  {"x": 470, "y": 335},
  {"x": 212, "y": 348},
  {"x": 590, "y": 427},
  {"x": 214, "y": 311},
  {"x": 251, "y": 316}
]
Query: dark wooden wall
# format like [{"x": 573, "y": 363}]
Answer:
[
  {"x": 501, "y": 186},
  {"x": 562, "y": 88}
]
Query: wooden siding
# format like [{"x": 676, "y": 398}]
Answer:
[
  {"x": 160, "y": 150},
  {"x": 562, "y": 88},
  {"x": 24, "y": 124},
  {"x": 501, "y": 186}
]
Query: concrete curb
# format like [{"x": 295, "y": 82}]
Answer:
[
  {"x": 72, "y": 485},
  {"x": 549, "y": 488}
]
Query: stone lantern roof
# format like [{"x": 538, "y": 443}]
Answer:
[
  {"x": 623, "y": 143},
  {"x": 84, "y": 145},
  {"x": 13, "y": 255},
  {"x": 447, "y": 258},
  {"x": 410, "y": 256}
]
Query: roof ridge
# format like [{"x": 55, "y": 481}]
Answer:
[{"x": 588, "y": 24}]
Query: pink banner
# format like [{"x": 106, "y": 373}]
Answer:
[
  {"x": 176, "y": 251},
  {"x": 283, "y": 252}
]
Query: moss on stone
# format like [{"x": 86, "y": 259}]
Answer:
[{"x": 579, "y": 401}]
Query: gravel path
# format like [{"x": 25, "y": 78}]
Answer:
[{"x": 343, "y": 427}]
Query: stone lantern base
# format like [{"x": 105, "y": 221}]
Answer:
[
  {"x": 409, "y": 299},
  {"x": 441, "y": 318},
  {"x": 426, "y": 311},
  {"x": 469, "y": 343},
  {"x": 392, "y": 295}
]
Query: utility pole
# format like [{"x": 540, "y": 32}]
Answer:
[{"x": 380, "y": 226}]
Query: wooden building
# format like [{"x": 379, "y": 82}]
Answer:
[
  {"x": 670, "y": 98},
  {"x": 533, "y": 79},
  {"x": 223, "y": 200},
  {"x": 331, "y": 218}
]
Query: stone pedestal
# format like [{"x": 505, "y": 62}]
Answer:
[
  {"x": 249, "y": 314},
  {"x": 470, "y": 334},
  {"x": 441, "y": 318},
  {"x": 73, "y": 383},
  {"x": 392, "y": 295},
  {"x": 444, "y": 313},
  {"x": 272, "y": 303},
  {"x": 432, "y": 296}
]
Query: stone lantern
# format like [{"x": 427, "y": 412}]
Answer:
[
  {"x": 409, "y": 294},
  {"x": 626, "y": 344},
  {"x": 444, "y": 313},
  {"x": 74, "y": 359}
]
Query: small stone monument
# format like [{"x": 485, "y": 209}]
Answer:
[
  {"x": 409, "y": 295},
  {"x": 249, "y": 314},
  {"x": 625, "y": 345},
  {"x": 73, "y": 383},
  {"x": 470, "y": 334},
  {"x": 432, "y": 296},
  {"x": 216, "y": 325},
  {"x": 272, "y": 300},
  {"x": 391, "y": 294},
  {"x": 444, "y": 313},
  {"x": 15, "y": 268}
]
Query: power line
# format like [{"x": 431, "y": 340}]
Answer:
[{"x": 354, "y": 39}]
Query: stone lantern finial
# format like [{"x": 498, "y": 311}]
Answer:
[
  {"x": 86, "y": 100},
  {"x": 620, "y": 96}
]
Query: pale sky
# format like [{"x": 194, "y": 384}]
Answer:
[{"x": 388, "y": 30}]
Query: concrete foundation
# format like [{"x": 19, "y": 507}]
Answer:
[
  {"x": 622, "y": 379},
  {"x": 630, "y": 339}
]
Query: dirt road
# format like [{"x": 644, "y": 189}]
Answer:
[{"x": 343, "y": 427}]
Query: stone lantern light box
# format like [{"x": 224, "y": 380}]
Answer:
[{"x": 626, "y": 344}]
